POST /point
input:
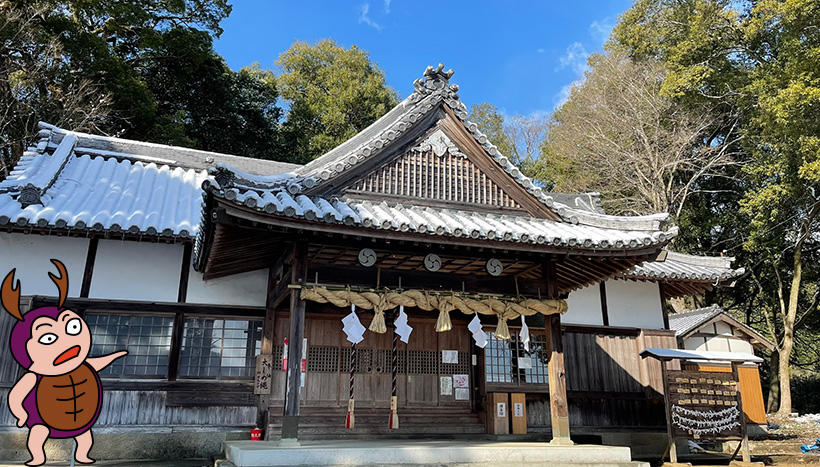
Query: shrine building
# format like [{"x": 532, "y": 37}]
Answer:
[{"x": 228, "y": 278}]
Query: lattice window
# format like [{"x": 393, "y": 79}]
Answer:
[
  {"x": 462, "y": 367},
  {"x": 364, "y": 359},
  {"x": 277, "y": 356},
  {"x": 323, "y": 359},
  {"x": 506, "y": 361},
  {"x": 220, "y": 348},
  {"x": 537, "y": 373},
  {"x": 147, "y": 339},
  {"x": 423, "y": 363},
  {"x": 497, "y": 360}
]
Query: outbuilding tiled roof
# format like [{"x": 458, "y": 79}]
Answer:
[
  {"x": 691, "y": 321},
  {"x": 688, "y": 321},
  {"x": 679, "y": 266}
]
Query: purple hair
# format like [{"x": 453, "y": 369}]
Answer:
[{"x": 21, "y": 333}]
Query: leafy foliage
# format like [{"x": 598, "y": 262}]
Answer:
[
  {"x": 333, "y": 93},
  {"x": 758, "y": 62},
  {"x": 141, "y": 69},
  {"x": 618, "y": 135}
]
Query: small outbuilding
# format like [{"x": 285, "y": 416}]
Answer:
[{"x": 712, "y": 329}]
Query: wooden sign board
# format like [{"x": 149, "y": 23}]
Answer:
[
  {"x": 704, "y": 405},
  {"x": 262, "y": 381}
]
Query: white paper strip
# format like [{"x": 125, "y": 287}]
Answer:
[
  {"x": 524, "y": 335},
  {"x": 402, "y": 328},
  {"x": 479, "y": 335},
  {"x": 353, "y": 328}
]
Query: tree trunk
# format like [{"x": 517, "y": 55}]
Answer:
[
  {"x": 788, "y": 330},
  {"x": 774, "y": 383}
]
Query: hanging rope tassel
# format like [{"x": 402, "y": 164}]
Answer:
[
  {"x": 350, "y": 421},
  {"x": 393, "y": 424}
]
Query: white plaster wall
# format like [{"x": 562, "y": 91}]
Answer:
[
  {"x": 245, "y": 289},
  {"x": 694, "y": 343},
  {"x": 740, "y": 346},
  {"x": 128, "y": 270},
  {"x": 722, "y": 328},
  {"x": 718, "y": 344},
  {"x": 634, "y": 304},
  {"x": 30, "y": 254},
  {"x": 584, "y": 306}
]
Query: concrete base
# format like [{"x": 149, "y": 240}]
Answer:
[
  {"x": 129, "y": 443},
  {"x": 421, "y": 452}
]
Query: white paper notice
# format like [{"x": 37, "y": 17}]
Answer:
[
  {"x": 353, "y": 328},
  {"x": 462, "y": 394},
  {"x": 402, "y": 328},
  {"x": 518, "y": 409},
  {"x": 525, "y": 334},
  {"x": 461, "y": 381},
  {"x": 446, "y": 384},
  {"x": 501, "y": 409},
  {"x": 478, "y": 334},
  {"x": 449, "y": 356},
  {"x": 525, "y": 363}
]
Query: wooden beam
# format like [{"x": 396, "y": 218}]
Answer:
[
  {"x": 664, "y": 309},
  {"x": 604, "y": 306},
  {"x": 94, "y": 304},
  {"x": 559, "y": 407},
  {"x": 290, "y": 423},
  {"x": 182, "y": 293},
  {"x": 90, "y": 258}
]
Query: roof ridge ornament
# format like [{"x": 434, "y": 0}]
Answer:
[{"x": 434, "y": 79}]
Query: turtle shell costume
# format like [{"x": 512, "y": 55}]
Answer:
[{"x": 67, "y": 404}]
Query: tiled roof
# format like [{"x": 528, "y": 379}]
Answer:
[
  {"x": 690, "y": 321},
  {"x": 437, "y": 221},
  {"x": 431, "y": 92},
  {"x": 679, "y": 266},
  {"x": 79, "y": 181},
  {"x": 683, "y": 323}
]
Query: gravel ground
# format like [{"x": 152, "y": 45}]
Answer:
[{"x": 782, "y": 445}]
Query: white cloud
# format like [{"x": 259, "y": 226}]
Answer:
[
  {"x": 540, "y": 50},
  {"x": 365, "y": 18},
  {"x": 600, "y": 29},
  {"x": 387, "y": 6},
  {"x": 575, "y": 58}
]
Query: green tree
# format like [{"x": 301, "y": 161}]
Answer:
[
  {"x": 617, "y": 135},
  {"x": 36, "y": 84},
  {"x": 141, "y": 69},
  {"x": 517, "y": 137},
  {"x": 491, "y": 123},
  {"x": 761, "y": 61},
  {"x": 332, "y": 92}
]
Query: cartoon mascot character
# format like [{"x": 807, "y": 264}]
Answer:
[{"x": 61, "y": 394}]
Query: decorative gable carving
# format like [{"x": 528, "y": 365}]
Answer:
[{"x": 435, "y": 171}]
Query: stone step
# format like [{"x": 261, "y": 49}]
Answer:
[{"x": 424, "y": 452}]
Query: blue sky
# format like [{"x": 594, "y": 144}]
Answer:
[{"x": 520, "y": 56}]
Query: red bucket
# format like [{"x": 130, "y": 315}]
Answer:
[{"x": 256, "y": 434}]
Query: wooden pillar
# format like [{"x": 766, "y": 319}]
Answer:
[
  {"x": 290, "y": 424},
  {"x": 559, "y": 407},
  {"x": 275, "y": 276}
]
